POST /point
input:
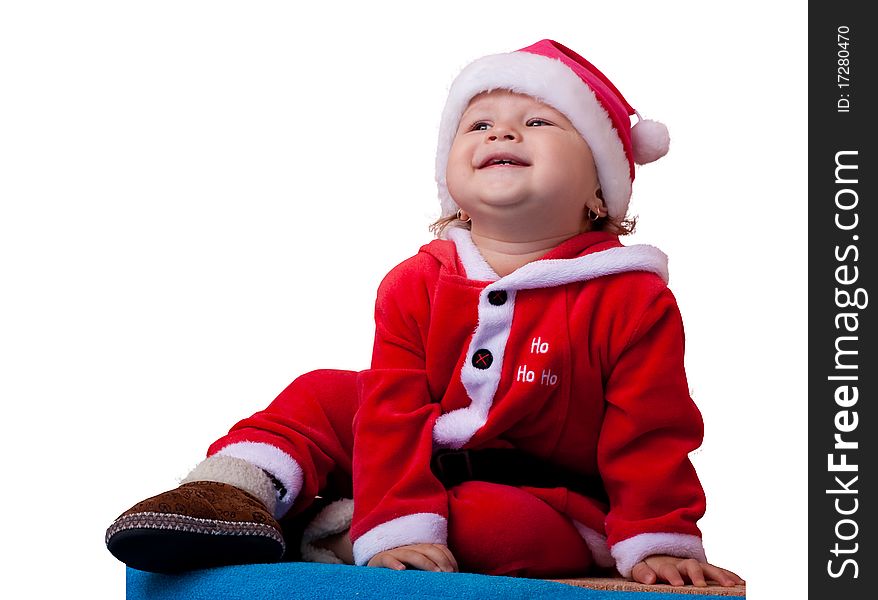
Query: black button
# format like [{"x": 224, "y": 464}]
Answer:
[
  {"x": 497, "y": 297},
  {"x": 482, "y": 359}
]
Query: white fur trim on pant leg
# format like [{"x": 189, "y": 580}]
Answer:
[
  {"x": 277, "y": 462},
  {"x": 631, "y": 551},
  {"x": 334, "y": 518},
  {"x": 420, "y": 528},
  {"x": 239, "y": 473},
  {"x": 597, "y": 544}
]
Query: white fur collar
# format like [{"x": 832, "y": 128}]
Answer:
[{"x": 554, "y": 272}]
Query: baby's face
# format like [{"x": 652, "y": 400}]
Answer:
[{"x": 516, "y": 160}]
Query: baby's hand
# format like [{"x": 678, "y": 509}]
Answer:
[
  {"x": 426, "y": 557},
  {"x": 676, "y": 571}
]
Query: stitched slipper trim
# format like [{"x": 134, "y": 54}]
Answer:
[{"x": 152, "y": 520}]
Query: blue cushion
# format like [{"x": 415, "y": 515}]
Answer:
[{"x": 310, "y": 580}]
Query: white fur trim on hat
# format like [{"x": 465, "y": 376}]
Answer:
[{"x": 552, "y": 82}]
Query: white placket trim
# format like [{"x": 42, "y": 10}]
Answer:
[{"x": 457, "y": 427}]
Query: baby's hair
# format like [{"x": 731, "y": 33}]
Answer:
[{"x": 624, "y": 227}]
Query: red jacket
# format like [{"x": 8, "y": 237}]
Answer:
[{"x": 576, "y": 358}]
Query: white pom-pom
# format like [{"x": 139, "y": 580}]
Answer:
[{"x": 649, "y": 140}]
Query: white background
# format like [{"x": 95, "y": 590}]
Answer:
[{"x": 200, "y": 198}]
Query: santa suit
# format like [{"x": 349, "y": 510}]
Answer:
[{"x": 576, "y": 358}]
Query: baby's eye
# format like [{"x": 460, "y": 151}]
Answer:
[
  {"x": 537, "y": 123},
  {"x": 479, "y": 126}
]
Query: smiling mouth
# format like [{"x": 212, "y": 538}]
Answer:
[{"x": 503, "y": 161}]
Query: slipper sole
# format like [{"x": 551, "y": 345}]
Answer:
[{"x": 169, "y": 543}]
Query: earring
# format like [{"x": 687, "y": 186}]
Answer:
[
  {"x": 460, "y": 218},
  {"x": 592, "y": 215}
]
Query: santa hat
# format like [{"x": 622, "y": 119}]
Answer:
[{"x": 555, "y": 75}]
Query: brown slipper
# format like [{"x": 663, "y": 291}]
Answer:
[{"x": 198, "y": 525}]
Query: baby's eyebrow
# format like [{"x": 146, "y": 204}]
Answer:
[
  {"x": 475, "y": 116},
  {"x": 471, "y": 109},
  {"x": 469, "y": 118},
  {"x": 477, "y": 111}
]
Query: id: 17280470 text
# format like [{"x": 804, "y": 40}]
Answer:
[{"x": 843, "y": 77}]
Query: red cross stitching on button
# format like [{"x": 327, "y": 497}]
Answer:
[
  {"x": 497, "y": 297},
  {"x": 482, "y": 359}
]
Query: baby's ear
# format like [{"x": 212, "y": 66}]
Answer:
[{"x": 599, "y": 193}]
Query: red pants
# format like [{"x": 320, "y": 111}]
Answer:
[{"x": 492, "y": 529}]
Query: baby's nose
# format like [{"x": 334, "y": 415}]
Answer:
[{"x": 500, "y": 132}]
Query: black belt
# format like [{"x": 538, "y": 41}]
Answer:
[{"x": 510, "y": 466}]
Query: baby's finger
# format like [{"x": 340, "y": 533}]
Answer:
[
  {"x": 722, "y": 576},
  {"x": 417, "y": 559},
  {"x": 669, "y": 573},
  {"x": 438, "y": 555},
  {"x": 386, "y": 561},
  {"x": 695, "y": 572},
  {"x": 643, "y": 573},
  {"x": 452, "y": 561}
]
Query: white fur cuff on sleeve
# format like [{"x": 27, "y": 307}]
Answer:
[
  {"x": 420, "y": 528},
  {"x": 631, "y": 551}
]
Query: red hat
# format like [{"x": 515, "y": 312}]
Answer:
[{"x": 559, "y": 77}]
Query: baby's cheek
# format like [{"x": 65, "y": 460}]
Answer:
[{"x": 455, "y": 180}]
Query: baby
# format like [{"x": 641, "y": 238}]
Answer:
[{"x": 526, "y": 411}]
